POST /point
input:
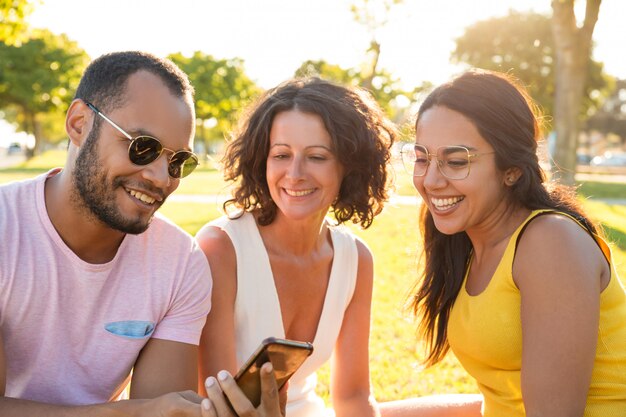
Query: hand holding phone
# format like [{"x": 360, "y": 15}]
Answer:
[
  {"x": 286, "y": 357},
  {"x": 225, "y": 398}
]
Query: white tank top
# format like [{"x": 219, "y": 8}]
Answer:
[{"x": 257, "y": 309}]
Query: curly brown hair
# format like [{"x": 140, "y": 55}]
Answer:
[{"x": 361, "y": 136}]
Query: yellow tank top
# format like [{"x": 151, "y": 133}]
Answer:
[{"x": 485, "y": 333}]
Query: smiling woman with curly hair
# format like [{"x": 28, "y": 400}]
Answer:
[{"x": 281, "y": 267}]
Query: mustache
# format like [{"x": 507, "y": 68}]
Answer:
[{"x": 145, "y": 186}]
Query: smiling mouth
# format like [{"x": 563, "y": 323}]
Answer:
[
  {"x": 445, "y": 203},
  {"x": 144, "y": 198},
  {"x": 299, "y": 193}
]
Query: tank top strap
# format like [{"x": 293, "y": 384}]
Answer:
[{"x": 602, "y": 244}]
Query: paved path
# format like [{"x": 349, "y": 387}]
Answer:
[
  {"x": 9, "y": 160},
  {"x": 400, "y": 200}
]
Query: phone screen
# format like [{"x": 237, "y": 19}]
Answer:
[{"x": 286, "y": 357}]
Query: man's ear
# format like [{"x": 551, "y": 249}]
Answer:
[{"x": 78, "y": 122}]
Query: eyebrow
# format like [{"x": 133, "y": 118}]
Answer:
[
  {"x": 469, "y": 148},
  {"x": 307, "y": 147},
  {"x": 141, "y": 132}
]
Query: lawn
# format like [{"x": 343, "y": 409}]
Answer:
[
  {"x": 395, "y": 353},
  {"x": 393, "y": 238}
]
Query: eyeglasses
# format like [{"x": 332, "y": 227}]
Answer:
[
  {"x": 452, "y": 161},
  {"x": 144, "y": 149}
]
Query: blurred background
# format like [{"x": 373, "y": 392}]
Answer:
[
  {"x": 397, "y": 49},
  {"x": 569, "y": 55}
]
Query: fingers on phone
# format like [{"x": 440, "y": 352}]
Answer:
[
  {"x": 238, "y": 399},
  {"x": 269, "y": 392},
  {"x": 207, "y": 408},
  {"x": 217, "y": 402},
  {"x": 268, "y": 382}
]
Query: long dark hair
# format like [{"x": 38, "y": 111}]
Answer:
[
  {"x": 506, "y": 117},
  {"x": 361, "y": 136}
]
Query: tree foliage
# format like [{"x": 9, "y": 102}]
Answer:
[
  {"x": 523, "y": 44},
  {"x": 13, "y": 26},
  {"x": 373, "y": 15},
  {"x": 222, "y": 90},
  {"x": 37, "y": 82},
  {"x": 386, "y": 90}
]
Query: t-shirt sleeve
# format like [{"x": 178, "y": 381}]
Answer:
[{"x": 191, "y": 303}]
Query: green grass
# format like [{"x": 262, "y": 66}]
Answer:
[
  {"x": 208, "y": 180},
  {"x": 395, "y": 364},
  {"x": 395, "y": 353},
  {"x": 393, "y": 238},
  {"x": 595, "y": 189}
]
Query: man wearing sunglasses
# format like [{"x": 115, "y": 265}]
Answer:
[{"x": 92, "y": 282}]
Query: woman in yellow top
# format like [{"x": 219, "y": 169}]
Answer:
[{"x": 516, "y": 282}]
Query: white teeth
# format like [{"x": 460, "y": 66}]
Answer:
[
  {"x": 298, "y": 193},
  {"x": 444, "y": 203},
  {"x": 141, "y": 196}
]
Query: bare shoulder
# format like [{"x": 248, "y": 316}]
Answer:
[
  {"x": 364, "y": 252},
  {"x": 365, "y": 274},
  {"x": 557, "y": 247},
  {"x": 555, "y": 232},
  {"x": 219, "y": 251},
  {"x": 214, "y": 240}
]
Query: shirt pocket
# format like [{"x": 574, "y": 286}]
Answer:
[{"x": 130, "y": 329}]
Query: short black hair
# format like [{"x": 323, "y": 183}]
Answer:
[{"x": 104, "y": 81}]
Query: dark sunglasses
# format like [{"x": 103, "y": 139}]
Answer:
[{"x": 143, "y": 150}]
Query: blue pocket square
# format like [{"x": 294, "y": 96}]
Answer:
[{"x": 134, "y": 329}]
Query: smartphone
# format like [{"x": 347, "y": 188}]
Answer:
[{"x": 286, "y": 357}]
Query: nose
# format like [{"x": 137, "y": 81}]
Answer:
[
  {"x": 157, "y": 172},
  {"x": 294, "y": 170},
  {"x": 433, "y": 178}
]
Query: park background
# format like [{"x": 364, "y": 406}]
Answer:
[{"x": 233, "y": 50}]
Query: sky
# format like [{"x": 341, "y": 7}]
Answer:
[{"x": 274, "y": 37}]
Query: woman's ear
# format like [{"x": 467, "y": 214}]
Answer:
[
  {"x": 78, "y": 122},
  {"x": 511, "y": 176}
]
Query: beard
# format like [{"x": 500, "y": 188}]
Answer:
[{"x": 96, "y": 195}]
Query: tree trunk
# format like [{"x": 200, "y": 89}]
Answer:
[
  {"x": 37, "y": 133},
  {"x": 573, "y": 52},
  {"x": 371, "y": 66},
  {"x": 205, "y": 141}
]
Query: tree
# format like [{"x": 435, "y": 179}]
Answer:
[
  {"x": 523, "y": 44},
  {"x": 386, "y": 90},
  {"x": 222, "y": 90},
  {"x": 12, "y": 20},
  {"x": 328, "y": 71},
  {"x": 390, "y": 95},
  {"x": 573, "y": 52},
  {"x": 38, "y": 79},
  {"x": 374, "y": 15}
]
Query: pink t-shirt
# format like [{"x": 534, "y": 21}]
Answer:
[{"x": 72, "y": 330}]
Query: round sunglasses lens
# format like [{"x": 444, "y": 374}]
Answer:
[
  {"x": 144, "y": 149},
  {"x": 182, "y": 164}
]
